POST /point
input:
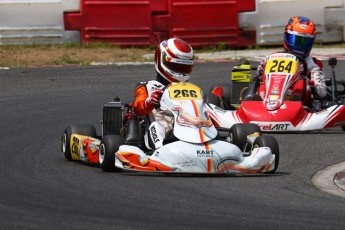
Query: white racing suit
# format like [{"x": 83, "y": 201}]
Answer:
[
  {"x": 317, "y": 76},
  {"x": 160, "y": 122}
]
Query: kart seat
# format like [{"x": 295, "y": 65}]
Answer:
[{"x": 169, "y": 137}]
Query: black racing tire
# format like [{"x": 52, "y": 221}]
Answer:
[
  {"x": 81, "y": 129},
  {"x": 238, "y": 133},
  {"x": 109, "y": 146},
  {"x": 226, "y": 96},
  {"x": 270, "y": 142}
]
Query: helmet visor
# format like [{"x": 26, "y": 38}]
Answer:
[
  {"x": 178, "y": 65},
  {"x": 300, "y": 40}
]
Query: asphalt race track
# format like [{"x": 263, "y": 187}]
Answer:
[{"x": 39, "y": 189}]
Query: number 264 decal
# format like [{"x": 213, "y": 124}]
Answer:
[{"x": 282, "y": 66}]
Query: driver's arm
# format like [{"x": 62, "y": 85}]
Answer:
[
  {"x": 319, "y": 81},
  {"x": 140, "y": 96},
  {"x": 317, "y": 76}
]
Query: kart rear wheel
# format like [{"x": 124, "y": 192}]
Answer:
[
  {"x": 238, "y": 134},
  {"x": 81, "y": 129},
  {"x": 106, "y": 155},
  {"x": 270, "y": 142}
]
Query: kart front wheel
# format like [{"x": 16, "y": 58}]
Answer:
[
  {"x": 238, "y": 134},
  {"x": 270, "y": 142},
  {"x": 109, "y": 146},
  {"x": 80, "y": 129}
]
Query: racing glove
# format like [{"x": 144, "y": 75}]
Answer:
[
  {"x": 154, "y": 99},
  {"x": 261, "y": 68},
  {"x": 320, "y": 89},
  {"x": 317, "y": 79}
]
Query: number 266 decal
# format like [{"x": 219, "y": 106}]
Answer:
[
  {"x": 185, "y": 91},
  {"x": 178, "y": 94}
]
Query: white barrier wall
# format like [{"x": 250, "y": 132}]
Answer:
[
  {"x": 35, "y": 21},
  {"x": 41, "y": 21},
  {"x": 335, "y": 18},
  {"x": 271, "y": 16}
]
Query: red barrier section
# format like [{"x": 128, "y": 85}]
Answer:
[
  {"x": 148, "y": 22},
  {"x": 119, "y": 22},
  {"x": 246, "y": 5},
  {"x": 205, "y": 22}
]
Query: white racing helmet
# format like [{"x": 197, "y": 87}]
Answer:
[{"x": 174, "y": 60}]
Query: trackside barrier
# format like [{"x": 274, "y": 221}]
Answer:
[
  {"x": 143, "y": 22},
  {"x": 35, "y": 21},
  {"x": 147, "y": 22},
  {"x": 335, "y": 21},
  {"x": 205, "y": 22},
  {"x": 119, "y": 22},
  {"x": 271, "y": 16}
]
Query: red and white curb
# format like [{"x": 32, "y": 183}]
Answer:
[{"x": 331, "y": 179}]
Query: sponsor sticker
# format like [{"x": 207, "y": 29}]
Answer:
[
  {"x": 154, "y": 135},
  {"x": 273, "y": 126},
  {"x": 205, "y": 153}
]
